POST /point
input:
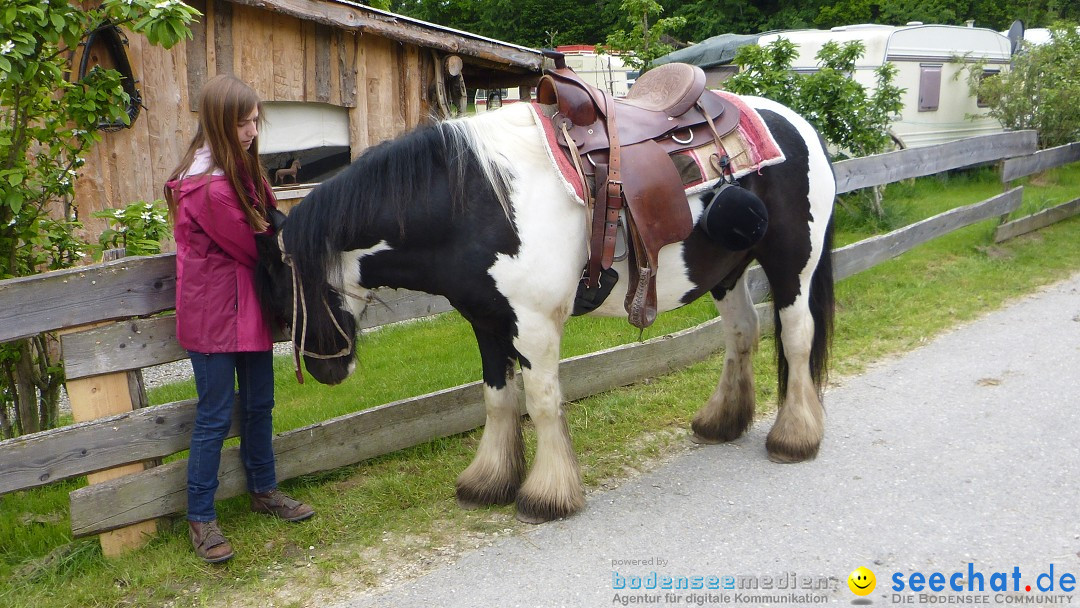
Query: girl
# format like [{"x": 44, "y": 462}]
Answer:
[{"x": 218, "y": 199}]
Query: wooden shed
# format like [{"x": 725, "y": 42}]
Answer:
[{"x": 334, "y": 73}]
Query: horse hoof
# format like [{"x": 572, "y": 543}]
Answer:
[
  {"x": 698, "y": 439},
  {"x": 471, "y": 500},
  {"x": 534, "y": 511},
  {"x": 788, "y": 455},
  {"x": 531, "y": 519},
  {"x": 468, "y": 505}
]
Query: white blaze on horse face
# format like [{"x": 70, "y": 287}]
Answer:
[{"x": 357, "y": 296}]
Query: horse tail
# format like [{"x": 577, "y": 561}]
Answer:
[{"x": 822, "y": 310}]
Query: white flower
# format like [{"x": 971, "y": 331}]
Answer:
[
  {"x": 164, "y": 4},
  {"x": 12, "y": 222},
  {"x": 145, "y": 216},
  {"x": 149, "y": 206},
  {"x": 118, "y": 214},
  {"x": 7, "y": 47}
]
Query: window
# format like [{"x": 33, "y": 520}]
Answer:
[
  {"x": 980, "y": 100},
  {"x": 929, "y": 87},
  {"x": 309, "y": 141}
]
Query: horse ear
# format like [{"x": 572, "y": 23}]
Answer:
[{"x": 277, "y": 219}]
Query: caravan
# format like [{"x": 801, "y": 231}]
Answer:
[{"x": 938, "y": 107}]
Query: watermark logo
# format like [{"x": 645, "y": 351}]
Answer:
[{"x": 861, "y": 581}]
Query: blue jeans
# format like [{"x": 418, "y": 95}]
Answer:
[{"x": 215, "y": 374}]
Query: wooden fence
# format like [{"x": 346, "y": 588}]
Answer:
[{"x": 116, "y": 317}]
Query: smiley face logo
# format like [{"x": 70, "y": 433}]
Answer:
[{"x": 861, "y": 581}]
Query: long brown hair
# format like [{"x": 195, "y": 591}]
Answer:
[{"x": 223, "y": 102}]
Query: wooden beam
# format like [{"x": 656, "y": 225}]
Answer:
[
  {"x": 196, "y": 53},
  {"x": 403, "y": 29},
  {"x": 223, "y": 37},
  {"x": 138, "y": 343},
  {"x": 890, "y": 167},
  {"x": 1038, "y": 220},
  {"x": 114, "y": 290},
  {"x": 94, "y": 445},
  {"x": 1015, "y": 168},
  {"x": 322, "y": 63},
  {"x": 870, "y": 252},
  {"x": 98, "y": 397}
]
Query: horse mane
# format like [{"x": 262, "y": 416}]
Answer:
[{"x": 387, "y": 178}]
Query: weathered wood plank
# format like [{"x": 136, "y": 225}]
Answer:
[
  {"x": 358, "y": 115},
  {"x": 143, "y": 434},
  {"x": 138, "y": 343},
  {"x": 195, "y": 49},
  {"x": 379, "y": 89},
  {"x": 870, "y": 252},
  {"x": 167, "y": 113},
  {"x": 347, "y": 68},
  {"x": 1038, "y": 220},
  {"x": 114, "y": 290},
  {"x": 1042, "y": 160},
  {"x": 139, "y": 184},
  {"x": 413, "y": 83},
  {"x": 322, "y": 63},
  {"x": 891, "y": 167},
  {"x": 253, "y": 37},
  {"x": 334, "y": 65},
  {"x": 223, "y": 37},
  {"x": 99, "y": 397},
  {"x": 307, "y": 29},
  {"x": 288, "y": 64}
]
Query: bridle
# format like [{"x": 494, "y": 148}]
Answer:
[{"x": 300, "y": 302}]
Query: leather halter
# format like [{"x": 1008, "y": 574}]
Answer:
[{"x": 301, "y": 299}]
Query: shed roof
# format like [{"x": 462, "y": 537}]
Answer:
[{"x": 343, "y": 14}]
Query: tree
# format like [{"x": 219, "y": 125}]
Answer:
[
  {"x": 1041, "y": 91},
  {"x": 642, "y": 43},
  {"x": 46, "y": 124},
  {"x": 852, "y": 120}
]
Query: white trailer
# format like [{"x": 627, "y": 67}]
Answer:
[{"x": 937, "y": 104}]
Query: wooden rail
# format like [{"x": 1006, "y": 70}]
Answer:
[{"x": 145, "y": 287}]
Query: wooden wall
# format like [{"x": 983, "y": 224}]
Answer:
[{"x": 384, "y": 84}]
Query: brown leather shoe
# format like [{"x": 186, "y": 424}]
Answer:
[
  {"x": 210, "y": 544},
  {"x": 278, "y": 504}
]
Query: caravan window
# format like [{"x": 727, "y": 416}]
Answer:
[
  {"x": 980, "y": 100},
  {"x": 929, "y": 87}
]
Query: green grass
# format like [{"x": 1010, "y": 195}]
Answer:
[{"x": 398, "y": 510}]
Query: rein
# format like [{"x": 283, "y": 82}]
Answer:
[{"x": 301, "y": 299}]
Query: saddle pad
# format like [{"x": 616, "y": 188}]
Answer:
[{"x": 750, "y": 147}]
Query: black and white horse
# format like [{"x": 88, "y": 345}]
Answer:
[{"x": 473, "y": 210}]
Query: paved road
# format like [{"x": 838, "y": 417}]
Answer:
[{"x": 961, "y": 458}]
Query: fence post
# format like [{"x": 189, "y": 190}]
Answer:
[{"x": 105, "y": 395}]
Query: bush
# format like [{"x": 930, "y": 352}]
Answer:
[{"x": 1041, "y": 91}]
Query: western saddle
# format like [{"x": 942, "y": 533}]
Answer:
[{"x": 626, "y": 145}]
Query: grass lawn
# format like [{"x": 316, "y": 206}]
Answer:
[{"x": 395, "y": 515}]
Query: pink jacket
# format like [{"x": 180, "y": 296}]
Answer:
[{"x": 217, "y": 310}]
